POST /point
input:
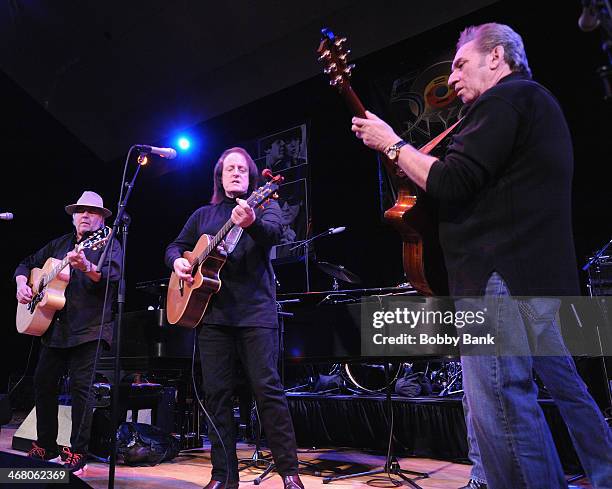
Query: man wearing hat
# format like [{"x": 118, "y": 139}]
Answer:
[{"x": 72, "y": 340}]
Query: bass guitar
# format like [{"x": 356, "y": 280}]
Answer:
[
  {"x": 187, "y": 303},
  {"x": 48, "y": 286},
  {"x": 413, "y": 215}
]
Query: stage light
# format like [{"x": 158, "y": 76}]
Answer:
[{"x": 184, "y": 143}]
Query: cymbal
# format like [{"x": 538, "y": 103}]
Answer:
[{"x": 338, "y": 272}]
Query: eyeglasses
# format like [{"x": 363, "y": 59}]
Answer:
[{"x": 91, "y": 210}]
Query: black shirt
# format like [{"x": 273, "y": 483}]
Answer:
[
  {"x": 79, "y": 320},
  {"x": 248, "y": 293},
  {"x": 505, "y": 191}
]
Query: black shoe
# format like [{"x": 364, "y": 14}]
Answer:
[
  {"x": 474, "y": 484},
  {"x": 40, "y": 453},
  {"x": 75, "y": 462}
]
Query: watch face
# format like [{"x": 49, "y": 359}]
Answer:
[{"x": 392, "y": 152}]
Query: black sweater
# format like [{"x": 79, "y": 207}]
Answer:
[
  {"x": 248, "y": 292},
  {"x": 505, "y": 191}
]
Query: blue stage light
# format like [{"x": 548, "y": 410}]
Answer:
[{"x": 184, "y": 143}]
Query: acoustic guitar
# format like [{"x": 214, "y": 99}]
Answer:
[
  {"x": 414, "y": 214},
  {"x": 48, "y": 286},
  {"x": 187, "y": 303}
]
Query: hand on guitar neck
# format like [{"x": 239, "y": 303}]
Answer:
[
  {"x": 243, "y": 214},
  {"x": 374, "y": 132},
  {"x": 378, "y": 135},
  {"x": 76, "y": 259}
]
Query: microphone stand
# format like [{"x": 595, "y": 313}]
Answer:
[
  {"x": 121, "y": 220},
  {"x": 306, "y": 245},
  {"x": 309, "y": 240}
]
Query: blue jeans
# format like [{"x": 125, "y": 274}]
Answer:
[{"x": 510, "y": 443}]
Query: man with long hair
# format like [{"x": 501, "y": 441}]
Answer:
[{"x": 240, "y": 322}]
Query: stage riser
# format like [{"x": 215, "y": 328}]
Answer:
[{"x": 423, "y": 427}]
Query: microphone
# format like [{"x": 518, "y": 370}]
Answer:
[
  {"x": 169, "y": 153},
  {"x": 588, "y": 20},
  {"x": 6, "y": 216},
  {"x": 337, "y": 230}
]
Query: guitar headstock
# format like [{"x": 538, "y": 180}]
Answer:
[
  {"x": 96, "y": 240},
  {"x": 333, "y": 53},
  {"x": 267, "y": 191}
]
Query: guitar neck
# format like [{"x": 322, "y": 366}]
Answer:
[
  {"x": 54, "y": 271},
  {"x": 357, "y": 108},
  {"x": 215, "y": 241},
  {"x": 352, "y": 100}
]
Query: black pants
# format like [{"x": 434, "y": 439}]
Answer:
[
  {"x": 257, "y": 348},
  {"x": 52, "y": 364}
]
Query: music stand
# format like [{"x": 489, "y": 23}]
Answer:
[{"x": 392, "y": 466}]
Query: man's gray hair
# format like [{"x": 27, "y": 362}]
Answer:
[{"x": 487, "y": 36}]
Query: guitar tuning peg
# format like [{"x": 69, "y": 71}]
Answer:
[
  {"x": 340, "y": 41},
  {"x": 275, "y": 195},
  {"x": 351, "y": 67},
  {"x": 325, "y": 54},
  {"x": 333, "y": 82},
  {"x": 344, "y": 55},
  {"x": 327, "y": 71}
]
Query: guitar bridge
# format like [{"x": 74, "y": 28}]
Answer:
[{"x": 181, "y": 287}]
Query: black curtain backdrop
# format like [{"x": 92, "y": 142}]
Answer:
[
  {"x": 45, "y": 167},
  {"x": 432, "y": 428}
]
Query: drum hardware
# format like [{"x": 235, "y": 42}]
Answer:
[
  {"x": 449, "y": 378},
  {"x": 338, "y": 273},
  {"x": 366, "y": 377},
  {"x": 306, "y": 244},
  {"x": 599, "y": 273}
]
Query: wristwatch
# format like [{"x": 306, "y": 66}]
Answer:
[{"x": 393, "y": 151}]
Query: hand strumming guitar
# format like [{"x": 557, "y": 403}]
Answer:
[{"x": 182, "y": 268}]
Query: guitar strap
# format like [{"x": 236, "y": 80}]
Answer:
[
  {"x": 427, "y": 148},
  {"x": 232, "y": 238}
]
